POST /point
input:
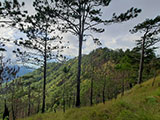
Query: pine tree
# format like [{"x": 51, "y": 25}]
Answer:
[
  {"x": 42, "y": 44},
  {"x": 150, "y": 29},
  {"x": 79, "y": 17}
]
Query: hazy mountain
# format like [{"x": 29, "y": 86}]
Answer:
[{"x": 24, "y": 70}]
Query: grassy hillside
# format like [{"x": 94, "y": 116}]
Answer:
[
  {"x": 139, "y": 103},
  {"x": 110, "y": 71}
]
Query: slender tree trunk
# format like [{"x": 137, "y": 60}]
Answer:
[
  {"x": 69, "y": 104},
  {"x": 81, "y": 32},
  {"x": 38, "y": 106},
  {"x": 67, "y": 100},
  {"x": 122, "y": 94},
  {"x": 29, "y": 101},
  {"x": 130, "y": 85},
  {"x": 74, "y": 99},
  {"x": 103, "y": 92},
  {"x": 12, "y": 104},
  {"x": 91, "y": 97},
  {"x": 12, "y": 107},
  {"x": 6, "y": 112},
  {"x": 64, "y": 102},
  {"x": 44, "y": 82},
  {"x": 79, "y": 70},
  {"x": 91, "y": 94},
  {"x": 116, "y": 92},
  {"x": 154, "y": 79},
  {"x": 142, "y": 59}
]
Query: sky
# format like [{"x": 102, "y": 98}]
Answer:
[{"x": 116, "y": 36}]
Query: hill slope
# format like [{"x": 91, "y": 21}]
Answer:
[
  {"x": 112, "y": 72},
  {"x": 139, "y": 103}
]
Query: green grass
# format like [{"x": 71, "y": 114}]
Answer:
[{"x": 139, "y": 103}]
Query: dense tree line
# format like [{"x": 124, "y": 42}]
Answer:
[{"x": 114, "y": 72}]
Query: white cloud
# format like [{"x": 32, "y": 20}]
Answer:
[
  {"x": 115, "y": 36},
  {"x": 7, "y": 33}
]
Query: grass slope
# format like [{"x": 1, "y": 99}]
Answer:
[{"x": 139, "y": 103}]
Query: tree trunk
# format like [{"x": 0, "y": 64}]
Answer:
[
  {"x": 44, "y": 82},
  {"x": 64, "y": 105},
  {"x": 74, "y": 99},
  {"x": 64, "y": 102},
  {"x": 141, "y": 61},
  {"x": 13, "y": 113},
  {"x": 154, "y": 79},
  {"x": 130, "y": 85},
  {"x": 91, "y": 98},
  {"x": 103, "y": 92},
  {"x": 69, "y": 104},
  {"x": 29, "y": 101},
  {"x": 6, "y": 112},
  {"x": 12, "y": 104},
  {"x": 122, "y": 94},
  {"x": 79, "y": 70},
  {"x": 38, "y": 105}
]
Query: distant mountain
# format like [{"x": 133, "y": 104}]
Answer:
[{"x": 24, "y": 70}]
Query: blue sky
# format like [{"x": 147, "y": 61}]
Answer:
[{"x": 115, "y": 36}]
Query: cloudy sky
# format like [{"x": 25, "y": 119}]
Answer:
[{"x": 115, "y": 35}]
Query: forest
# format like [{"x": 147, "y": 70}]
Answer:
[{"x": 103, "y": 84}]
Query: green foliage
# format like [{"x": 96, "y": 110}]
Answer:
[
  {"x": 103, "y": 60},
  {"x": 65, "y": 70},
  {"x": 125, "y": 63},
  {"x": 151, "y": 29},
  {"x": 129, "y": 107},
  {"x": 151, "y": 100},
  {"x": 126, "y": 115}
]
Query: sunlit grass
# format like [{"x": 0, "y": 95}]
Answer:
[{"x": 139, "y": 103}]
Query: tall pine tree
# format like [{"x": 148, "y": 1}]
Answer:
[
  {"x": 150, "y": 29},
  {"x": 42, "y": 44},
  {"x": 79, "y": 17}
]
